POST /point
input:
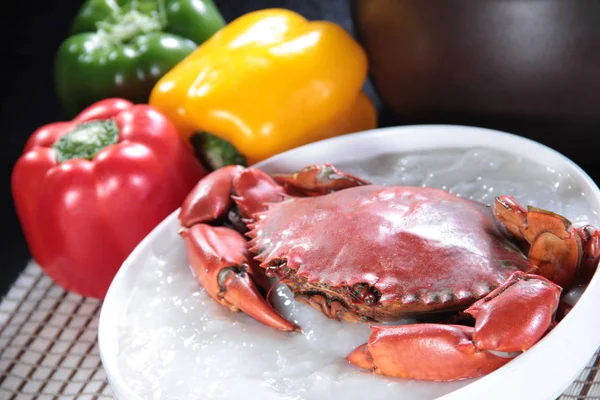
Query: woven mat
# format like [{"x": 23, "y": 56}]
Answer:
[{"x": 49, "y": 346}]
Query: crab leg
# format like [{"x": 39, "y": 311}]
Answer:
[
  {"x": 218, "y": 255},
  {"x": 509, "y": 320},
  {"x": 554, "y": 244},
  {"x": 590, "y": 240},
  {"x": 317, "y": 180}
]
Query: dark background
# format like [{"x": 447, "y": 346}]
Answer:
[{"x": 32, "y": 30}]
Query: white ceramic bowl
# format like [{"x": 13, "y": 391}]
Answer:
[{"x": 542, "y": 372}]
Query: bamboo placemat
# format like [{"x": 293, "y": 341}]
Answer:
[{"x": 49, "y": 346}]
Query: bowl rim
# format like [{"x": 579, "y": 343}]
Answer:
[{"x": 558, "y": 356}]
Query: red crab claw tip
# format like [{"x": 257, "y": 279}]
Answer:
[
  {"x": 361, "y": 357},
  {"x": 242, "y": 293}
]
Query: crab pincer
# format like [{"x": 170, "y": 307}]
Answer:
[
  {"x": 218, "y": 255},
  {"x": 508, "y": 321},
  {"x": 554, "y": 244},
  {"x": 562, "y": 253}
]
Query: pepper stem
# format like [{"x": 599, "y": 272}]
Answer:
[
  {"x": 86, "y": 140},
  {"x": 162, "y": 13},
  {"x": 141, "y": 17},
  {"x": 214, "y": 152}
]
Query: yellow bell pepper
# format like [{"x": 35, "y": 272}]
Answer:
[{"x": 268, "y": 82}]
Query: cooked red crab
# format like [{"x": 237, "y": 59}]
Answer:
[{"x": 361, "y": 252}]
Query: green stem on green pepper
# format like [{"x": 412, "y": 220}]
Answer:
[
  {"x": 162, "y": 13},
  {"x": 128, "y": 26}
]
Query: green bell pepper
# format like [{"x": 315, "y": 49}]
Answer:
[{"x": 121, "y": 48}]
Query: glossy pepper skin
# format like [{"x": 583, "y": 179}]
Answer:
[
  {"x": 83, "y": 210},
  {"x": 269, "y": 81},
  {"x": 120, "y": 48}
]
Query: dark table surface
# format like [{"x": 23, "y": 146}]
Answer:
[{"x": 33, "y": 30}]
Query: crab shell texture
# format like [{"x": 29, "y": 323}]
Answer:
[{"x": 380, "y": 253}]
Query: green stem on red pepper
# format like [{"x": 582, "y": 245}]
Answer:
[
  {"x": 86, "y": 140},
  {"x": 81, "y": 222}
]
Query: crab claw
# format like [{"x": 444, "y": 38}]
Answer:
[
  {"x": 516, "y": 315},
  {"x": 210, "y": 198},
  {"x": 254, "y": 190},
  {"x": 511, "y": 319},
  {"x": 316, "y": 180},
  {"x": 425, "y": 352},
  {"x": 554, "y": 244},
  {"x": 222, "y": 265}
]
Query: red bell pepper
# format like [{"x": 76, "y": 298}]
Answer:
[{"x": 87, "y": 191}]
